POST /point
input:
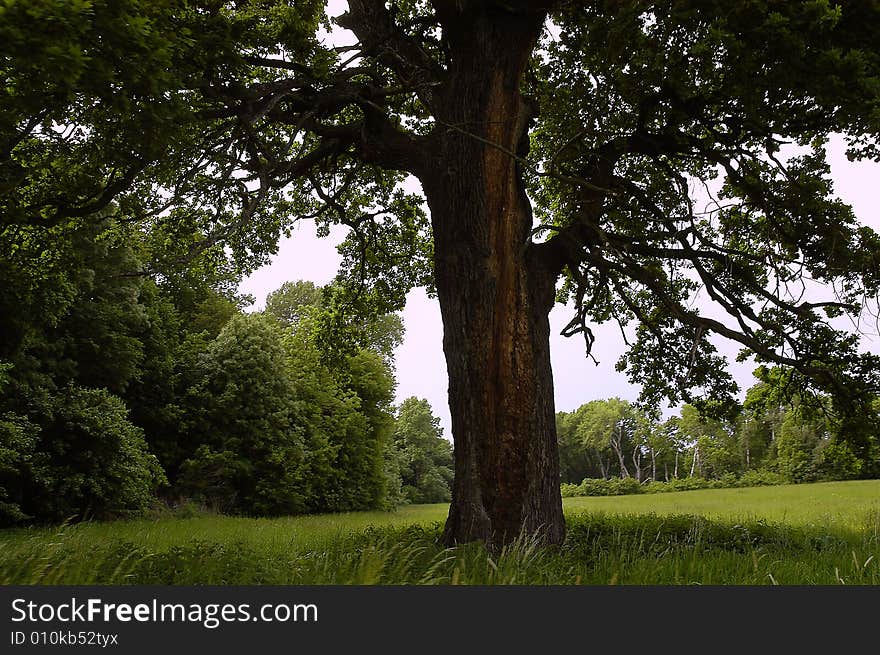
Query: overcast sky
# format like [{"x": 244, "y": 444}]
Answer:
[{"x": 421, "y": 368}]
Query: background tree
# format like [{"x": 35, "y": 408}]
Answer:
[
  {"x": 802, "y": 436},
  {"x": 292, "y": 301},
  {"x": 603, "y": 438},
  {"x": 217, "y": 123},
  {"x": 611, "y": 424},
  {"x": 575, "y": 462},
  {"x": 654, "y": 439},
  {"x": 341, "y": 368},
  {"x": 249, "y": 453},
  {"x": 361, "y": 458},
  {"x": 711, "y": 442},
  {"x": 341, "y": 320},
  {"x": 423, "y": 457},
  {"x": 798, "y": 440}
]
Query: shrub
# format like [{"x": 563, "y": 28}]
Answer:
[
  {"x": 680, "y": 484},
  {"x": 87, "y": 460},
  {"x": 211, "y": 478},
  {"x": 598, "y": 487},
  {"x": 691, "y": 483},
  {"x": 603, "y": 487},
  {"x": 625, "y": 486},
  {"x": 570, "y": 490},
  {"x": 726, "y": 481},
  {"x": 18, "y": 438}
]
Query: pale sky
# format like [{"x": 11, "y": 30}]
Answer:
[{"x": 421, "y": 368}]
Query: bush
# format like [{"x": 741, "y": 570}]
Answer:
[
  {"x": 211, "y": 478},
  {"x": 687, "y": 484},
  {"x": 603, "y": 487},
  {"x": 88, "y": 460},
  {"x": 726, "y": 481},
  {"x": 18, "y": 438},
  {"x": 623, "y": 486},
  {"x": 627, "y": 486}
]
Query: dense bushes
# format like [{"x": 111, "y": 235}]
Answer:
[
  {"x": 18, "y": 438},
  {"x": 88, "y": 460},
  {"x": 626, "y": 486},
  {"x": 602, "y": 487}
]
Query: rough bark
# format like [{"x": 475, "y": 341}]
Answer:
[{"x": 495, "y": 291}]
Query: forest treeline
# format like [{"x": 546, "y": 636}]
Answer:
[
  {"x": 121, "y": 392},
  {"x": 773, "y": 436}
]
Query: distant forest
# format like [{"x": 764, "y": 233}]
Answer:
[{"x": 773, "y": 435}]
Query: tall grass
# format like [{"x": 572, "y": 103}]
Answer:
[
  {"x": 810, "y": 534},
  {"x": 819, "y": 505}
]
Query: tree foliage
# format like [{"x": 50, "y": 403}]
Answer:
[
  {"x": 773, "y": 433},
  {"x": 341, "y": 320},
  {"x": 270, "y": 428},
  {"x": 292, "y": 302},
  {"x": 86, "y": 460},
  {"x": 247, "y": 446},
  {"x": 422, "y": 458}
]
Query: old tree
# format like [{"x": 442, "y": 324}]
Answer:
[{"x": 623, "y": 155}]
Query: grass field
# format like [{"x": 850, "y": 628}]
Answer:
[{"x": 825, "y": 533}]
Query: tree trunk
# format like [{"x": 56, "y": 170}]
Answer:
[
  {"x": 637, "y": 464},
  {"x": 603, "y": 467},
  {"x": 495, "y": 292},
  {"x": 617, "y": 446}
]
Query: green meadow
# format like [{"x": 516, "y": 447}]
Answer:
[{"x": 816, "y": 534}]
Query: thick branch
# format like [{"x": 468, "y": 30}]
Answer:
[
  {"x": 450, "y": 8},
  {"x": 373, "y": 24},
  {"x": 376, "y": 139}
]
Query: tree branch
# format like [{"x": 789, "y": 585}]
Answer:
[{"x": 374, "y": 25}]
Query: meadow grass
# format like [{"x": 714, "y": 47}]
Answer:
[
  {"x": 820, "y": 505},
  {"x": 805, "y": 534}
]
